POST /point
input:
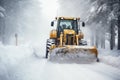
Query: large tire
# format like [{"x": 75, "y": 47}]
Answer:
[{"x": 49, "y": 42}]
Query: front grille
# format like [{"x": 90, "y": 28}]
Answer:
[{"x": 69, "y": 39}]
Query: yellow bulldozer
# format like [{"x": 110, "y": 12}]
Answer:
[{"x": 68, "y": 38}]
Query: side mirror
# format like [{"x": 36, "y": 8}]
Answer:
[
  {"x": 52, "y": 23},
  {"x": 83, "y": 24}
]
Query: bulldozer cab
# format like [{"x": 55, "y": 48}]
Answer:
[{"x": 70, "y": 24}]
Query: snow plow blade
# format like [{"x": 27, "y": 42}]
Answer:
[{"x": 74, "y": 54}]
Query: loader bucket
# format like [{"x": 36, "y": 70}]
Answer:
[{"x": 82, "y": 54}]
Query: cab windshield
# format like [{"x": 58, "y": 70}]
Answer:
[{"x": 67, "y": 24}]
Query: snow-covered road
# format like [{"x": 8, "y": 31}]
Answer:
[
  {"x": 41, "y": 69},
  {"x": 21, "y": 63}
]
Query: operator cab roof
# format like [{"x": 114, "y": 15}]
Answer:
[{"x": 68, "y": 18}]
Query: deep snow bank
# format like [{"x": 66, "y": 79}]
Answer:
[
  {"x": 10, "y": 57},
  {"x": 110, "y": 57}
]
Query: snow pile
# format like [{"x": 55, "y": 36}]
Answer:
[
  {"x": 13, "y": 54},
  {"x": 10, "y": 57},
  {"x": 110, "y": 57},
  {"x": 65, "y": 55}
]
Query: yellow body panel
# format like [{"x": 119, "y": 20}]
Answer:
[
  {"x": 53, "y": 34},
  {"x": 68, "y": 31},
  {"x": 80, "y": 35}
]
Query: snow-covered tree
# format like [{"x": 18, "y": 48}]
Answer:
[
  {"x": 2, "y": 24},
  {"x": 119, "y": 26},
  {"x": 105, "y": 14}
]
